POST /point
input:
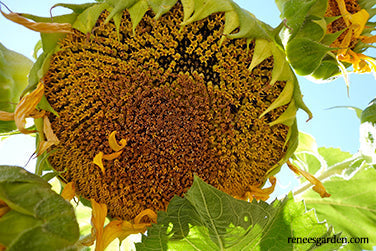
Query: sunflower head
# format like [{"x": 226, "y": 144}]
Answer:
[
  {"x": 139, "y": 96},
  {"x": 325, "y": 37}
]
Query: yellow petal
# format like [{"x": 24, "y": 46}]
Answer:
[
  {"x": 6, "y": 116},
  {"x": 149, "y": 213},
  {"x": 50, "y": 136},
  {"x": 98, "y": 160},
  {"x": 318, "y": 186},
  {"x": 112, "y": 156},
  {"x": 114, "y": 144},
  {"x": 26, "y": 107},
  {"x": 39, "y": 27},
  {"x": 122, "y": 229},
  {"x": 261, "y": 193},
  {"x": 99, "y": 213},
  {"x": 68, "y": 192}
]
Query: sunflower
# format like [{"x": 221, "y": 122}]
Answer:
[
  {"x": 131, "y": 99},
  {"x": 326, "y": 37}
]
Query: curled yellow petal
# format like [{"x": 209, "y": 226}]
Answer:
[
  {"x": 147, "y": 212},
  {"x": 98, "y": 160},
  {"x": 122, "y": 229},
  {"x": 98, "y": 216},
  {"x": 318, "y": 186},
  {"x": 36, "y": 26},
  {"x": 50, "y": 136},
  {"x": 112, "y": 155},
  {"x": 261, "y": 193},
  {"x": 26, "y": 108},
  {"x": 114, "y": 144},
  {"x": 6, "y": 116},
  {"x": 68, "y": 191}
]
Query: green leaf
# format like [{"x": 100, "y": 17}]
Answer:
[
  {"x": 208, "y": 219},
  {"x": 351, "y": 208},
  {"x": 14, "y": 68},
  {"x": 305, "y": 55},
  {"x": 327, "y": 70},
  {"x": 369, "y": 114},
  {"x": 333, "y": 156},
  {"x": 39, "y": 218}
]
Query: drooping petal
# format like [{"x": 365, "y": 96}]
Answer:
[
  {"x": 112, "y": 155},
  {"x": 98, "y": 160},
  {"x": 39, "y": 27},
  {"x": 68, "y": 192},
  {"x": 114, "y": 144},
  {"x": 261, "y": 193},
  {"x": 318, "y": 186},
  {"x": 6, "y": 116},
  {"x": 122, "y": 229},
  {"x": 50, "y": 136},
  {"x": 99, "y": 213},
  {"x": 26, "y": 108}
]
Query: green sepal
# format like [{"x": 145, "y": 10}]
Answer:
[
  {"x": 88, "y": 18},
  {"x": 305, "y": 55},
  {"x": 38, "y": 46},
  {"x": 76, "y": 8},
  {"x": 14, "y": 68},
  {"x": 45, "y": 105},
  {"x": 161, "y": 7},
  {"x": 118, "y": 7},
  {"x": 195, "y": 10},
  {"x": 137, "y": 12},
  {"x": 329, "y": 38}
]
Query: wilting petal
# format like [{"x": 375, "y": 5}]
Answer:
[
  {"x": 149, "y": 213},
  {"x": 261, "y": 193},
  {"x": 122, "y": 229},
  {"x": 112, "y": 156},
  {"x": 26, "y": 107},
  {"x": 98, "y": 160},
  {"x": 318, "y": 186},
  {"x": 114, "y": 144},
  {"x": 68, "y": 192},
  {"x": 50, "y": 136},
  {"x": 39, "y": 27},
  {"x": 99, "y": 213},
  {"x": 6, "y": 116}
]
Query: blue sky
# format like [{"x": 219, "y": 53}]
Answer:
[{"x": 331, "y": 128}]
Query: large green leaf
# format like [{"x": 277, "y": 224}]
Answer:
[
  {"x": 208, "y": 219},
  {"x": 14, "y": 68},
  {"x": 39, "y": 218},
  {"x": 352, "y": 207}
]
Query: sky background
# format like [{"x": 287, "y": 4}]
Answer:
[{"x": 331, "y": 128}]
